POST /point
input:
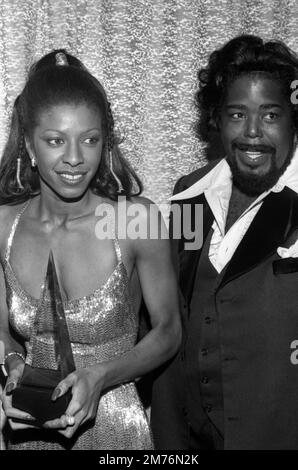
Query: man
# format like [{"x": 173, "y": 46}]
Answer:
[{"x": 234, "y": 384}]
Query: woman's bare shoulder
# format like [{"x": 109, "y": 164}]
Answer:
[
  {"x": 142, "y": 204},
  {"x": 141, "y": 200},
  {"x": 7, "y": 216},
  {"x": 10, "y": 210},
  {"x": 145, "y": 219}
]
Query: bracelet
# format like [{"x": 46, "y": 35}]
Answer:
[{"x": 14, "y": 353}]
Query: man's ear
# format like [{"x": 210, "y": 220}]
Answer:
[{"x": 215, "y": 121}]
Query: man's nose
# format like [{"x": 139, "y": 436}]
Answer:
[
  {"x": 73, "y": 154},
  {"x": 253, "y": 127}
]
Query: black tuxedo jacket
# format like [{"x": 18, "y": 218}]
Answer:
[{"x": 257, "y": 307}]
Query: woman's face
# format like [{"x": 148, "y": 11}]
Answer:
[{"x": 67, "y": 145}]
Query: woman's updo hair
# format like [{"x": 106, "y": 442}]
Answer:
[
  {"x": 60, "y": 78},
  {"x": 243, "y": 55}
]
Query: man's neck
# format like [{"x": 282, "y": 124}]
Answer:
[{"x": 239, "y": 202}]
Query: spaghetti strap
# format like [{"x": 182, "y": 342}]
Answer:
[
  {"x": 13, "y": 229},
  {"x": 117, "y": 249},
  {"x": 112, "y": 230}
]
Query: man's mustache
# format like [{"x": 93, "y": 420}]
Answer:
[{"x": 259, "y": 148}]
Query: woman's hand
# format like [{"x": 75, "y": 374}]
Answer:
[
  {"x": 86, "y": 385},
  {"x": 15, "y": 372},
  {"x": 14, "y": 365}
]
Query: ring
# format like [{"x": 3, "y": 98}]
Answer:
[{"x": 70, "y": 420}]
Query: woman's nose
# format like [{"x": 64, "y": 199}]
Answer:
[{"x": 73, "y": 154}]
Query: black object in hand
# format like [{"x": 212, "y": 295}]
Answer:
[{"x": 33, "y": 395}]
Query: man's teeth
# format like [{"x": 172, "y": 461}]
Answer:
[
  {"x": 254, "y": 155},
  {"x": 71, "y": 177}
]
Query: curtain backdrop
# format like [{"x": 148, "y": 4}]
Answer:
[{"x": 146, "y": 53}]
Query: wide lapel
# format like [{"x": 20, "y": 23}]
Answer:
[
  {"x": 267, "y": 231},
  {"x": 188, "y": 259}
]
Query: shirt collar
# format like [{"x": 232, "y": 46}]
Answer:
[
  {"x": 221, "y": 175},
  {"x": 290, "y": 177}
]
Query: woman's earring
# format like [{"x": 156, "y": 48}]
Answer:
[
  {"x": 120, "y": 187},
  {"x": 20, "y": 186},
  {"x": 33, "y": 162},
  {"x": 19, "y": 160}
]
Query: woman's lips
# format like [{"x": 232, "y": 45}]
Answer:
[{"x": 71, "y": 178}]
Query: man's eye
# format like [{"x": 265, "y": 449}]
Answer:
[
  {"x": 271, "y": 116},
  {"x": 55, "y": 142},
  {"x": 237, "y": 116}
]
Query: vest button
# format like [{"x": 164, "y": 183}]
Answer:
[
  {"x": 233, "y": 418},
  {"x": 204, "y": 380},
  {"x": 208, "y": 408},
  {"x": 204, "y": 351},
  {"x": 208, "y": 320}
]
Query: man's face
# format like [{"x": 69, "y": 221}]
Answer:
[{"x": 257, "y": 132}]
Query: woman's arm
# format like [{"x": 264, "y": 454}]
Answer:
[
  {"x": 160, "y": 293},
  {"x": 8, "y": 343},
  {"x": 14, "y": 364}
]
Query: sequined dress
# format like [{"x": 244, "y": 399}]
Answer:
[{"x": 102, "y": 326}]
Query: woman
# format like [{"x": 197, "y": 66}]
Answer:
[{"x": 60, "y": 166}]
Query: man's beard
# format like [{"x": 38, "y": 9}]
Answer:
[{"x": 254, "y": 185}]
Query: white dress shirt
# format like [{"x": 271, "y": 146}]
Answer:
[{"x": 217, "y": 188}]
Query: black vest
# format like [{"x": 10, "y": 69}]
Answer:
[{"x": 202, "y": 353}]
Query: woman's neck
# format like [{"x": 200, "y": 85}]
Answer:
[{"x": 53, "y": 209}]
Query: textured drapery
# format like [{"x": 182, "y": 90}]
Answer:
[{"x": 146, "y": 53}]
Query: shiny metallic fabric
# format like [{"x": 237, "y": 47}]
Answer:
[{"x": 102, "y": 326}]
